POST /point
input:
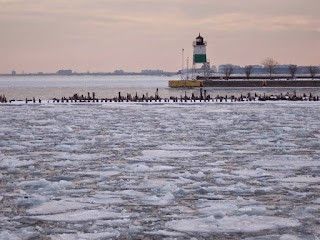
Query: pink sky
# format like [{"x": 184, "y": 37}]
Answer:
[{"x": 104, "y": 35}]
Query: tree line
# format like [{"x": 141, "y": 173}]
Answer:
[{"x": 270, "y": 64}]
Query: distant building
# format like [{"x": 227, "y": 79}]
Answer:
[
  {"x": 235, "y": 69},
  {"x": 214, "y": 68},
  {"x": 118, "y": 72},
  {"x": 303, "y": 70},
  {"x": 64, "y": 72},
  {"x": 152, "y": 72},
  {"x": 258, "y": 69}
]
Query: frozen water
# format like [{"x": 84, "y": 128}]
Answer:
[
  {"x": 162, "y": 171},
  {"x": 231, "y": 224}
]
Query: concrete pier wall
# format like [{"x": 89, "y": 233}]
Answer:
[
  {"x": 263, "y": 83},
  {"x": 244, "y": 83},
  {"x": 186, "y": 84}
]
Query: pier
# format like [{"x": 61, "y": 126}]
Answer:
[{"x": 242, "y": 83}]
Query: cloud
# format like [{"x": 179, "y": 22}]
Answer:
[
  {"x": 236, "y": 22},
  {"x": 173, "y": 14},
  {"x": 74, "y": 27}
]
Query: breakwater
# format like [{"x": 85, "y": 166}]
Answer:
[
  {"x": 202, "y": 96},
  {"x": 244, "y": 83},
  {"x": 262, "y": 83}
]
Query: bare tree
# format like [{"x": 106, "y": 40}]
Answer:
[
  {"x": 293, "y": 70},
  {"x": 227, "y": 70},
  {"x": 270, "y": 64},
  {"x": 313, "y": 70},
  {"x": 248, "y": 71}
]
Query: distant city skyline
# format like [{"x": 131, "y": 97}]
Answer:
[
  {"x": 95, "y": 35},
  {"x": 220, "y": 69}
]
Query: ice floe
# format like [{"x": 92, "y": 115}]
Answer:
[
  {"x": 170, "y": 171},
  {"x": 241, "y": 224}
]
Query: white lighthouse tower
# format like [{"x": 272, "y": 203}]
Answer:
[{"x": 199, "y": 55}]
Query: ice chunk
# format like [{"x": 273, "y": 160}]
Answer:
[
  {"x": 102, "y": 175},
  {"x": 81, "y": 216},
  {"x": 239, "y": 224},
  {"x": 302, "y": 179},
  {"x": 6, "y": 235},
  {"x": 161, "y": 201},
  {"x": 160, "y": 154},
  {"x": 12, "y": 162},
  {"x": 166, "y": 233},
  {"x": 317, "y": 201},
  {"x": 252, "y": 172},
  {"x": 145, "y": 168},
  {"x": 44, "y": 185},
  {"x": 29, "y": 201},
  {"x": 57, "y": 207},
  {"x": 87, "y": 236},
  {"x": 289, "y": 237}
]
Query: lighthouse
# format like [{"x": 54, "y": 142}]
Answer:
[
  {"x": 199, "y": 50},
  {"x": 200, "y": 57}
]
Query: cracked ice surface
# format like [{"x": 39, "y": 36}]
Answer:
[{"x": 163, "y": 171}]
